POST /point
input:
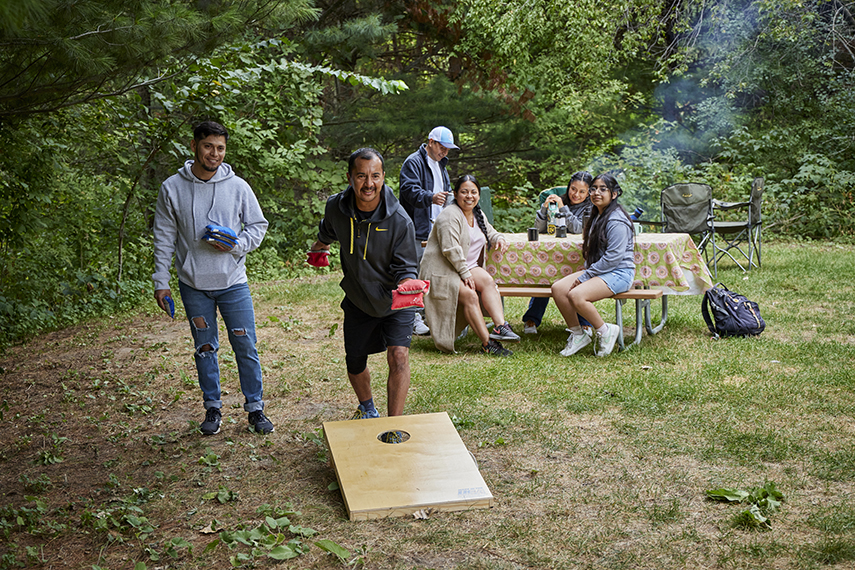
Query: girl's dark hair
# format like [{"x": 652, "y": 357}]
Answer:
[
  {"x": 479, "y": 215},
  {"x": 582, "y": 175},
  {"x": 595, "y": 231}
]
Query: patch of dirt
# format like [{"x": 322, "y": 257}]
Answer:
[{"x": 99, "y": 425}]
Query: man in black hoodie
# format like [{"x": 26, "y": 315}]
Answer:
[{"x": 378, "y": 254}]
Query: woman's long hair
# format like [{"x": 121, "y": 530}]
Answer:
[
  {"x": 479, "y": 215},
  {"x": 595, "y": 240}
]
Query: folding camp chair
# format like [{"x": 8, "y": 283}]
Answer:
[
  {"x": 687, "y": 208},
  {"x": 486, "y": 203},
  {"x": 557, "y": 190},
  {"x": 736, "y": 235}
]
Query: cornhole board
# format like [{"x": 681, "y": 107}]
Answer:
[{"x": 431, "y": 470}]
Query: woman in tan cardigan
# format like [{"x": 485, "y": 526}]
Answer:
[{"x": 453, "y": 262}]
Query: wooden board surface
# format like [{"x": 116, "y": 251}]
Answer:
[{"x": 431, "y": 470}]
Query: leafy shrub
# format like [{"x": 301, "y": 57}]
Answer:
[{"x": 819, "y": 201}]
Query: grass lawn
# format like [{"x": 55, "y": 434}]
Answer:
[{"x": 594, "y": 462}]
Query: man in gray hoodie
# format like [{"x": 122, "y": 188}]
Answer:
[{"x": 209, "y": 219}]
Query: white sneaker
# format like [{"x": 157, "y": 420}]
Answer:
[
  {"x": 530, "y": 328},
  {"x": 589, "y": 331},
  {"x": 575, "y": 343},
  {"x": 606, "y": 342},
  {"x": 419, "y": 326}
]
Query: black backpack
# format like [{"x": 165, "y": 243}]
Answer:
[{"x": 734, "y": 314}]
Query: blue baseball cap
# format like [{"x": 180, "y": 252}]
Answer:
[{"x": 443, "y": 136}]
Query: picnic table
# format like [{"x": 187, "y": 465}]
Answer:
[
  {"x": 670, "y": 262},
  {"x": 666, "y": 264}
]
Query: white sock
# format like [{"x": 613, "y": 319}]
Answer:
[
  {"x": 603, "y": 329},
  {"x": 577, "y": 330}
]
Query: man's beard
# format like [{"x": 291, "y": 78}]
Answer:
[{"x": 204, "y": 166}]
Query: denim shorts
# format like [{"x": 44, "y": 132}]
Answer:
[{"x": 619, "y": 280}]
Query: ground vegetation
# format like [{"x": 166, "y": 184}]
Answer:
[{"x": 650, "y": 458}]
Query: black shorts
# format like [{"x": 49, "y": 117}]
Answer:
[{"x": 364, "y": 334}]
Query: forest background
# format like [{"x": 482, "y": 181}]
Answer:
[{"x": 98, "y": 99}]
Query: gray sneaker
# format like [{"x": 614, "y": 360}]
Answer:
[
  {"x": 211, "y": 425},
  {"x": 504, "y": 332}
]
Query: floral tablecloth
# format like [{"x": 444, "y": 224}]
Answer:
[{"x": 670, "y": 262}]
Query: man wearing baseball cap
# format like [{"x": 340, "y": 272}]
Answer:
[{"x": 424, "y": 189}]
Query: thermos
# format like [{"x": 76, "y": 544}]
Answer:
[
  {"x": 635, "y": 216},
  {"x": 551, "y": 223},
  {"x": 560, "y": 226}
]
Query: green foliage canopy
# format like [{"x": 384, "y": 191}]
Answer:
[{"x": 57, "y": 54}]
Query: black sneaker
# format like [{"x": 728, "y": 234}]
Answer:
[
  {"x": 211, "y": 425},
  {"x": 495, "y": 348},
  {"x": 259, "y": 423}
]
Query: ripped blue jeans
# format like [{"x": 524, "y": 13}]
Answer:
[{"x": 235, "y": 306}]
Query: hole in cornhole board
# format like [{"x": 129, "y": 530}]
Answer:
[
  {"x": 394, "y": 436},
  {"x": 430, "y": 469}
]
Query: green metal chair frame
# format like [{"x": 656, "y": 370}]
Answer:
[
  {"x": 557, "y": 190},
  {"x": 486, "y": 203},
  {"x": 735, "y": 235}
]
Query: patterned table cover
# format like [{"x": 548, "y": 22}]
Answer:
[{"x": 670, "y": 262}]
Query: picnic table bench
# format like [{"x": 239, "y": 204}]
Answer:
[{"x": 642, "y": 299}]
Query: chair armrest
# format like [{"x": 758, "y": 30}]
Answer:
[{"x": 729, "y": 205}]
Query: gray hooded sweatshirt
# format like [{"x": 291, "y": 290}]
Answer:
[{"x": 185, "y": 206}]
